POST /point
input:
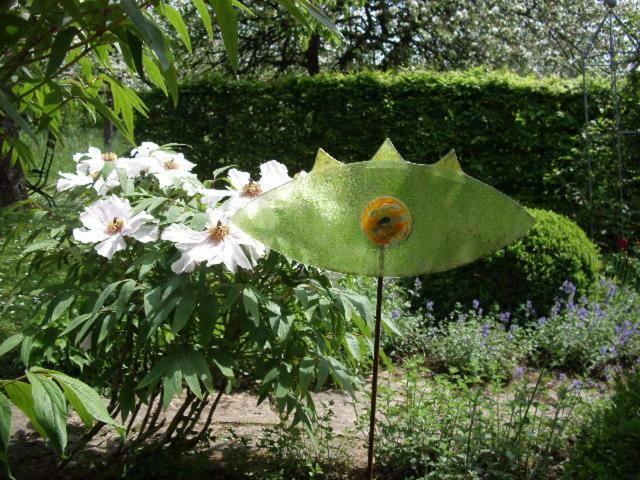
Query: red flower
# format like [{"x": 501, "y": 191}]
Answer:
[{"x": 623, "y": 243}]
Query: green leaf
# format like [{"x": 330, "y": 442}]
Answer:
[
  {"x": 10, "y": 343},
  {"x": 13, "y": 114},
  {"x": 150, "y": 33},
  {"x": 227, "y": 19},
  {"x": 305, "y": 373},
  {"x": 175, "y": 19},
  {"x": 250, "y": 301},
  {"x": 5, "y": 428},
  {"x": 224, "y": 363},
  {"x": 171, "y": 383},
  {"x": 86, "y": 398},
  {"x": 125, "y": 182},
  {"x": 158, "y": 371},
  {"x": 204, "y": 15},
  {"x": 58, "y": 306},
  {"x": 317, "y": 13},
  {"x": 50, "y": 408},
  {"x": 184, "y": 310},
  {"x": 122, "y": 304},
  {"x": 195, "y": 364},
  {"x": 59, "y": 50},
  {"x": 20, "y": 394},
  {"x": 154, "y": 73},
  {"x": 77, "y": 405}
]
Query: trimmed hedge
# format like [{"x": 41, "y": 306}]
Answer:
[
  {"x": 533, "y": 268},
  {"x": 510, "y": 132}
]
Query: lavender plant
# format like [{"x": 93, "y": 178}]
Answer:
[
  {"x": 446, "y": 428},
  {"x": 584, "y": 335},
  {"x": 478, "y": 344}
]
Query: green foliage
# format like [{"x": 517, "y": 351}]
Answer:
[
  {"x": 57, "y": 52},
  {"x": 43, "y": 400},
  {"x": 532, "y": 268},
  {"x": 608, "y": 445},
  {"x": 451, "y": 429}
]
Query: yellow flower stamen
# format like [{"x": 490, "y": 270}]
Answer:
[
  {"x": 115, "y": 226},
  {"x": 170, "y": 165},
  {"x": 252, "y": 189},
  {"x": 109, "y": 157},
  {"x": 219, "y": 232}
]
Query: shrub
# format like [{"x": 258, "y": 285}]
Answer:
[
  {"x": 608, "y": 446},
  {"x": 533, "y": 268},
  {"x": 158, "y": 298},
  {"x": 509, "y": 131}
]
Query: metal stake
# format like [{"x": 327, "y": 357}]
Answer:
[{"x": 374, "y": 381}]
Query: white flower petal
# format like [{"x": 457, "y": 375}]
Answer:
[
  {"x": 184, "y": 264},
  {"x": 179, "y": 233},
  {"x": 211, "y": 196},
  {"x": 272, "y": 175},
  {"x": 238, "y": 179},
  {"x": 145, "y": 234},
  {"x": 84, "y": 235},
  {"x": 110, "y": 246}
]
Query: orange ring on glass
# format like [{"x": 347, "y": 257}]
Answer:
[{"x": 386, "y": 221}]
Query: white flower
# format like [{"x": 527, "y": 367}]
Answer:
[
  {"x": 93, "y": 161},
  {"x": 220, "y": 242},
  {"x": 137, "y": 166},
  {"x": 243, "y": 189},
  {"x": 145, "y": 149},
  {"x": 70, "y": 181},
  {"x": 170, "y": 165},
  {"x": 107, "y": 221}
]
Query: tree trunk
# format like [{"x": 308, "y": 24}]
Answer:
[
  {"x": 13, "y": 187},
  {"x": 313, "y": 54}
]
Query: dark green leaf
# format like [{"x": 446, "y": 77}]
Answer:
[
  {"x": 184, "y": 310},
  {"x": 150, "y": 32},
  {"x": 227, "y": 18},
  {"x": 10, "y": 343},
  {"x": 51, "y": 410},
  {"x": 21, "y": 396},
  {"x": 5, "y": 428},
  {"x": 204, "y": 15},
  {"x": 13, "y": 114},
  {"x": 59, "y": 50}
]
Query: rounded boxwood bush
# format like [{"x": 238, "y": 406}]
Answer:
[{"x": 531, "y": 269}]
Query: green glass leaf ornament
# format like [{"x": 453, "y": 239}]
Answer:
[{"x": 385, "y": 217}]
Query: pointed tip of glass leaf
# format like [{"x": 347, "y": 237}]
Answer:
[
  {"x": 450, "y": 162},
  {"x": 324, "y": 161},
  {"x": 387, "y": 153}
]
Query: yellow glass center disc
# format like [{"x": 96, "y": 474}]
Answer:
[{"x": 386, "y": 221}]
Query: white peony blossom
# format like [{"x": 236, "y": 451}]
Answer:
[
  {"x": 69, "y": 181},
  {"x": 93, "y": 161},
  {"x": 243, "y": 189},
  {"x": 220, "y": 242},
  {"x": 106, "y": 223}
]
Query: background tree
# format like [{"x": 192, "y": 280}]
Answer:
[
  {"x": 60, "y": 52},
  {"x": 527, "y": 36}
]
